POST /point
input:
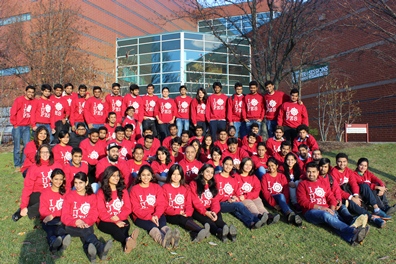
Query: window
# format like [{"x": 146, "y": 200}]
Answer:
[
  {"x": 171, "y": 66},
  {"x": 171, "y": 55},
  {"x": 193, "y": 44},
  {"x": 171, "y": 45}
]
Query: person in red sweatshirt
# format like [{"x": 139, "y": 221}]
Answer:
[
  {"x": 216, "y": 110},
  {"x": 304, "y": 156},
  {"x": 62, "y": 151},
  {"x": 249, "y": 188},
  {"x": 95, "y": 109},
  {"x": 61, "y": 111},
  {"x": 173, "y": 131},
  {"x": 198, "y": 109},
  {"x": 148, "y": 208},
  {"x": 133, "y": 99},
  {"x": 237, "y": 154},
  {"x": 284, "y": 150},
  {"x": 304, "y": 138},
  {"x": 251, "y": 146},
  {"x": 199, "y": 134},
  {"x": 149, "y": 102},
  {"x": 292, "y": 170},
  {"x": 156, "y": 142},
  {"x": 76, "y": 164},
  {"x": 114, "y": 102},
  {"x": 51, "y": 200},
  {"x": 229, "y": 194},
  {"x": 204, "y": 196},
  {"x": 114, "y": 207},
  {"x": 165, "y": 113},
  {"x": 77, "y": 107},
  {"x": 20, "y": 120},
  {"x": 273, "y": 101},
  {"x": 275, "y": 189},
  {"x": 183, "y": 103},
  {"x": 291, "y": 115},
  {"x": 179, "y": 210},
  {"x": 318, "y": 203},
  {"x": 190, "y": 165},
  {"x": 161, "y": 164},
  {"x": 130, "y": 120},
  {"x": 79, "y": 214},
  {"x": 126, "y": 146},
  {"x": 260, "y": 160},
  {"x": 206, "y": 146},
  {"x": 43, "y": 111},
  {"x": 68, "y": 93},
  {"x": 137, "y": 161},
  {"x": 235, "y": 105},
  {"x": 110, "y": 125},
  {"x": 253, "y": 110},
  {"x": 175, "y": 147},
  {"x": 273, "y": 144},
  {"x": 222, "y": 141},
  {"x": 37, "y": 179}
]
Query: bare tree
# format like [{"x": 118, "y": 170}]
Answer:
[
  {"x": 336, "y": 107},
  {"x": 272, "y": 36},
  {"x": 50, "y": 45}
]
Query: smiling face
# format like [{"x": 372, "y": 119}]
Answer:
[
  {"x": 324, "y": 169},
  {"x": 247, "y": 167},
  {"x": 44, "y": 153},
  {"x": 363, "y": 166},
  {"x": 114, "y": 179},
  {"x": 46, "y": 93},
  {"x": 232, "y": 147},
  {"x": 312, "y": 174},
  {"x": 120, "y": 135},
  {"x": 227, "y": 166},
  {"x": 261, "y": 151},
  {"x": 253, "y": 89},
  {"x": 294, "y": 97},
  {"x": 29, "y": 93},
  {"x": 69, "y": 89},
  {"x": 138, "y": 154},
  {"x": 41, "y": 136},
  {"x": 65, "y": 139},
  {"x": 112, "y": 119},
  {"x": 161, "y": 156},
  {"x": 57, "y": 181},
  {"x": 82, "y": 92},
  {"x": 208, "y": 174},
  {"x": 217, "y": 89},
  {"x": 145, "y": 177},
  {"x": 208, "y": 141},
  {"x": 165, "y": 93},
  {"x": 80, "y": 186},
  {"x": 116, "y": 90},
  {"x": 97, "y": 93},
  {"x": 216, "y": 156},
  {"x": 272, "y": 167},
  {"x": 94, "y": 137},
  {"x": 102, "y": 134},
  {"x": 76, "y": 159},
  {"x": 150, "y": 90},
  {"x": 113, "y": 154},
  {"x": 278, "y": 134},
  {"x": 190, "y": 153},
  {"x": 176, "y": 177},
  {"x": 290, "y": 161},
  {"x": 223, "y": 136},
  {"x": 342, "y": 163},
  {"x": 58, "y": 92}
]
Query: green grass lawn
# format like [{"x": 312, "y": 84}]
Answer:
[{"x": 21, "y": 243}]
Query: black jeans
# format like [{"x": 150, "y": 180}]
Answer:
[
  {"x": 214, "y": 225},
  {"x": 118, "y": 233},
  {"x": 148, "y": 224},
  {"x": 54, "y": 228}
]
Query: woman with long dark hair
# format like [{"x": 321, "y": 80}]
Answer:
[
  {"x": 161, "y": 164},
  {"x": 198, "y": 109}
]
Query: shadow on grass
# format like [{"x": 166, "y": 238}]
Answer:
[{"x": 354, "y": 162}]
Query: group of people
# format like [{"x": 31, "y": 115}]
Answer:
[{"x": 102, "y": 160}]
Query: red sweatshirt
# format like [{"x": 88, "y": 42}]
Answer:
[
  {"x": 314, "y": 193},
  {"x": 110, "y": 131},
  {"x": 154, "y": 147},
  {"x": 120, "y": 164},
  {"x": 70, "y": 98},
  {"x": 76, "y": 207},
  {"x": 137, "y": 103},
  {"x": 21, "y": 111},
  {"x": 178, "y": 158},
  {"x": 125, "y": 152},
  {"x": 160, "y": 168},
  {"x": 369, "y": 178},
  {"x": 273, "y": 103},
  {"x": 273, "y": 145},
  {"x": 310, "y": 141},
  {"x": 345, "y": 177},
  {"x": 237, "y": 157},
  {"x": 37, "y": 179},
  {"x": 227, "y": 187},
  {"x": 114, "y": 104},
  {"x": 335, "y": 188},
  {"x": 70, "y": 170},
  {"x": 178, "y": 199},
  {"x": 183, "y": 107},
  {"x": 30, "y": 154},
  {"x": 149, "y": 103},
  {"x": 77, "y": 111},
  {"x": 204, "y": 202},
  {"x": 249, "y": 186},
  {"x": 190, "y": 169},
  {"x": 292, "y": 115},
  {"x": 274, "y": 185},
  {"x": 42, "y": 113},
  {"x": 116, "y": 207},
  {"x": 223, "y": 146},
  {"x": 260, "y": 162},
  {"x": 250, "y": 150},
  {"x": 61, "y": 108},
  {"x": 62, "y": 154},
  {"x": 147, "y": 202},
  {"x": 50, "y": 203},
  {"x": 234, "y": 108},
  {"x": 165, "y": 109},
  {"x": 95, "y": 111},
  {"x": 92, "y": 153},
  {"x": 198, "y": 111},
  {"x": 216, "y": 107},
  {"x": 253, "y": 107}
]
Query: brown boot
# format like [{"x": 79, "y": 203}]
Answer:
[
  {"x": 167, "y": 240},
  {"x": 157, "y": 235}
]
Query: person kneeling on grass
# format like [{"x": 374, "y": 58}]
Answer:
[
  {"x": 114, "y": 207},
  {"x": 148, "y": 207},
  {"x": 275, "y": 189},
  {"x": 79, "y": 214},
  {"x": 318, "y": 203}
]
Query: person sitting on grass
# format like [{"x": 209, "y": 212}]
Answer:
[
  {"x": 206, "y": 146},
  {"x": 251, "y": 147},
  {"x": 260, "y": 160},
  {"x": 275, "y": 189},
  {"x": 76, "y": 164},
  {"x": 292, "y": 170},
  {"x": 62, "y": 151},
  {"x": 236, "y": 153},
  {"x": 281, "y": 155},
  {"x": 174, "y": 151},
  {"x": 318, "y": 203},
  {"x": 216, "y": 160},
  {"x": 273, "y": 144},
  {"x": 161, "y": 165},
  {"x": 304, "y": 138}
]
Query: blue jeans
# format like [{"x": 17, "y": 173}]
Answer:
[
  {"x": 271, "y": 125},
  {"x": 317, "y": 217},
  {"x": 216, "y": 125},
  {"x": 97, "y": 125},
  {"x": 293, "y": 194},
  {"x": 345, "y": 216},
  {"x": 148, "y": 224},
  {"x": 260, "y": 172},
  {"x": 249, "y": 124},
  {"x": 18, "y": 134},
  {"x": 240, "y": 211},
  {"x": 182, "y": 124},
  {"x": 49, "y": 130},
  {"x": 281, "y": 201},
  {"x": 237, "y": 126}
]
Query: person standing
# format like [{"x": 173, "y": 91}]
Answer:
[
  {"x": 253, "y": 106},
  {"x": 183, "y": 103},
  {"x": 95, "y": 110},
  {"x": 234, "y": 113},
  {"x": 114, "y": 102},
  {"x": 149, "y": 102},
  {"x": 61, "y": 111},
  {"x": 216, "y": 110},
  {"x": 20, "y": 121}
]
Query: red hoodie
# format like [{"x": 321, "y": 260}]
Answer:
[
  {"x": 274, "y": 185},
  {"x": 292, "y": 114},
  {"x": 273, "y": 145},
  {"x": 314, "y": 193},
  {"x": 345, "y": 177},
  {"x": 253, "y": 107},
  {"x": 21, "y": 111},
  {"x": 165, "y": 109},
  {"x": 115, "y": 207},
  {"x": 310, "y": 141},
  {"x": 198, "y": 112},
  {"x": 61, "y": 108},
  {"x": 149, "y": 103},
  {"x": 216, "y": 107},
  {"x": 95, "y": 111},
  {"x": 77, "y": 111},
  {"x": 183, "y": 107},
  {"x": 62, "y": 154},
  {"x": 42, "y": 113},
  {"x": 92, "y": 153},
  {"x": 205, "y": 200},
  {"x": 190, "y": 169},
  {"x": 70, "y": 170},
  {"x": 81, "y": 207},
  {"x": 178, "y": 199},
  {"x": 273, "y": 103},
  {"x": 147, "y": 202},
  {"x": 369, "y": 178},
  {"x": 50, "y": 203},
  {"x": 249, "y": 186},
  {"x": 114, "y": 104},
  {"x": 227, "y": 187},
  {"x": 234, "y": 107},
  {"x": 37, "y": 179},
  {"x": 137, "y": 103}
]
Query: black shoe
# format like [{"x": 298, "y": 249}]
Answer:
[
  {"x": 56, "y": 244},
  {"x": 103, "y": 255},
  {"x": 272, "y": 219},
  {"x": 233, "y": 233},
  {"x": 91, "y": 253},
  {"x": 17, "y": 215}
]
